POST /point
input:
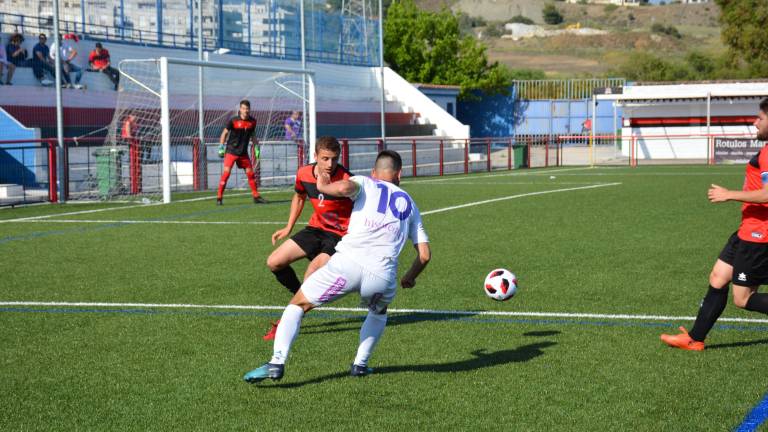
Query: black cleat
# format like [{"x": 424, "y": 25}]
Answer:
[
  {"x": 360, "y": 371},
  {"x": 259, "y": 200},
  {"x": 219, "y": 202}
]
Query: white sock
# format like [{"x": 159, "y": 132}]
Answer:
[
  {"x": 370, "y": 333},
  {"x": 286, "y": 333}
]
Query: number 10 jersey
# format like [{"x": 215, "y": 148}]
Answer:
[{"x": 383, "y": 218}]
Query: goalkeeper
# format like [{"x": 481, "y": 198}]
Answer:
[{"x": 236, "y": 135}]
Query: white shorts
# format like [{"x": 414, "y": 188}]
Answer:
[{"x": 341, "y": 276}]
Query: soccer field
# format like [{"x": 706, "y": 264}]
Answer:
[{"x": 146, "y": 317}]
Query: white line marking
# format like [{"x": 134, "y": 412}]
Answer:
[
  {"x": 168, "y": 222},
  {"x": 119, "y": 208},
  {"x": 505, "y": 174},
  {"x": 615, "y": 317},
  {"x": 472, "y": 204}
]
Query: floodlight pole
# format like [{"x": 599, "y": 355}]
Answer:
[
  {"x": 304, "y": 86},
  {"x": 165, "y": 124},
  {"x": 60, "y": 168},
  {"x": 200, "y": 88},
  {"x": 381, "y": 72}
]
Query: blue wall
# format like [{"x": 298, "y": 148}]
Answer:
[
  {"x": 499, "y": 115},
  {"x": 17, "y": 161}
]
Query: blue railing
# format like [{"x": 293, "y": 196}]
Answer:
[{"x": 323, "y": 48}]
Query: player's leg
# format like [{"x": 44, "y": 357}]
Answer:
[
  {"x": 244, "y": 162},
  {"x": 229, "y": 161},
  {"x": 327, "y": 246},
  {"x": 714, "y": 301},
  {"x": 279, "y": 263},
  {"x": 375, "y": 294},
  {"x": 325, "y": 285}
]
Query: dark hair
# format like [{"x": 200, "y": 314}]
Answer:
[
  {"x": 764, "y": 106},
  {"x": 328, "y": 143},
  {"x": 246, "y": 102},
  {"x": 98, "y": 45},
  {"x": 389, "y": 160},
  {"x": 42, "y": 35}
]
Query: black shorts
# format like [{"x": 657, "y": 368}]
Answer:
[
  {"x": 314, "y": 241},
  {"x": 749, "y": 261}
]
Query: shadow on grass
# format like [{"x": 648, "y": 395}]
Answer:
[
  {"x": 480, "y": 359},
  {"x": 738, "y": 344},
  {"x": 353, "y": 324}
]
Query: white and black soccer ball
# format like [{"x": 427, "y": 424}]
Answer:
[{"x": 500, "y": 284}]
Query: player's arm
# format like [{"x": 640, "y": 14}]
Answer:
[
  {"x": 720, "y": 194},
  {"x": 424, "y": 254},
  {"x": 256, "y": 146},
  {"x": 223, "y": 137},
  {"x": 297, "y": 205},
  {"x": 340, "y": 188}
]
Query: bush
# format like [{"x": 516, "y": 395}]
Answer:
[
  {"x": 667, "y": 30},
  {"x": 520, "y": 19},
  {"x": 494, "y": 30},
  {"x": 551, "y": 15},
  {"x": 610, "y": 8}
]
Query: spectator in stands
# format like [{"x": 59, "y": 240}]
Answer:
[
  {"x": 5, "y": 64},
  {"x": 293, "y": 126},
  {"x": 17, "y": 54},
  {"x": 42, "y": 63},
  {"x": 68, "y": 54},
  {"x": 99, "y": 61}
]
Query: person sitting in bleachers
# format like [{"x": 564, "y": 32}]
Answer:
[
  {"x": 42, "y": 63},
  {"x": 5, "y": 64},
  {"x": 17, "y": 54},
  {"x": 65, "y": 48},
  {"x": 99, "y": 61}
]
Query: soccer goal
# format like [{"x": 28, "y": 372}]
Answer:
[{"x": 158, "y": 144}]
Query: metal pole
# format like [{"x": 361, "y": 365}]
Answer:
[
  {"x": 304, "y": 104},
  {"x": 159, "y": 6},
  {"x": 709, "y": 123},
  {"x": 59, "y": 106},
  {"x": 200, "y": 88},
  {"x": 82, "y": 16},
  {"x": 165, "y": 123},
  {"x": 312, "y": 117},
  {"x": 592, "y": 132},
  {"x": 381, "y": 71},
  {"x": 615, "y": 142}
]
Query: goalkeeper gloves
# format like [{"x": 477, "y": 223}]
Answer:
[
  {"x": 256, "y": 152},
  {"x": 222, "y": 150}
]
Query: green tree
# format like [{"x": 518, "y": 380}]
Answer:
[
  {"x": 744, "y": 30},
  {"x": 551, "y": 15},
  {"x": 428, "y": 48}
]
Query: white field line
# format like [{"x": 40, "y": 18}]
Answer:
[
  {"x": 476, "y": 203},
  {"x": 614, "y": 317},
  {"x": 506, "y": 174},
  {"x": 167, "y": 222},
  {"x": 109, "y": 209}
]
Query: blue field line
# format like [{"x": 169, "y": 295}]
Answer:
[
  {"x": 755, "y": 418},
  {"x": 41, "y": 234},
  {"x": 400, "y": 317}
]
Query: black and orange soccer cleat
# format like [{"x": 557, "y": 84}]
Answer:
[{"x": 683, "y": 341}]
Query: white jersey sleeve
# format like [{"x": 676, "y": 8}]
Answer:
[{"x": 416, "y": 231}]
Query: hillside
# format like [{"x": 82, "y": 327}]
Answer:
[{"x": 569, "y": 56}]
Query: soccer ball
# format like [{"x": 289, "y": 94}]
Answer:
[{"x": 500, "y": 284}]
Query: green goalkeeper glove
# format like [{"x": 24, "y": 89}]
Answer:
[
  {"x": 222, "y": 150},
  {"x": 256, "y": 152}
]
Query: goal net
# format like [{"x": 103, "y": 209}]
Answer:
[{"x": 158, "y": 146}]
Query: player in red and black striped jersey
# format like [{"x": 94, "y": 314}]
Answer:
[
  {"x": 240, "y": 130},
  {"x": 744, "y": 259},
  {"x": 328, "y": 224}
]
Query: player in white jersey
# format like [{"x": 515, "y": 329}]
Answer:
[{"x": 383, "y": 218}]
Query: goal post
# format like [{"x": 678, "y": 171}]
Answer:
[{"x": 155, "y": 146}]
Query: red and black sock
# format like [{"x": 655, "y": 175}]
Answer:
[
  {"x": 711, "y": 308},
  {"x": 223, "y": 183},
  {"x": 252, "y": 183}
]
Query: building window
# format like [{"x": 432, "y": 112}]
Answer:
[{"x": 449, "y": 108}]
